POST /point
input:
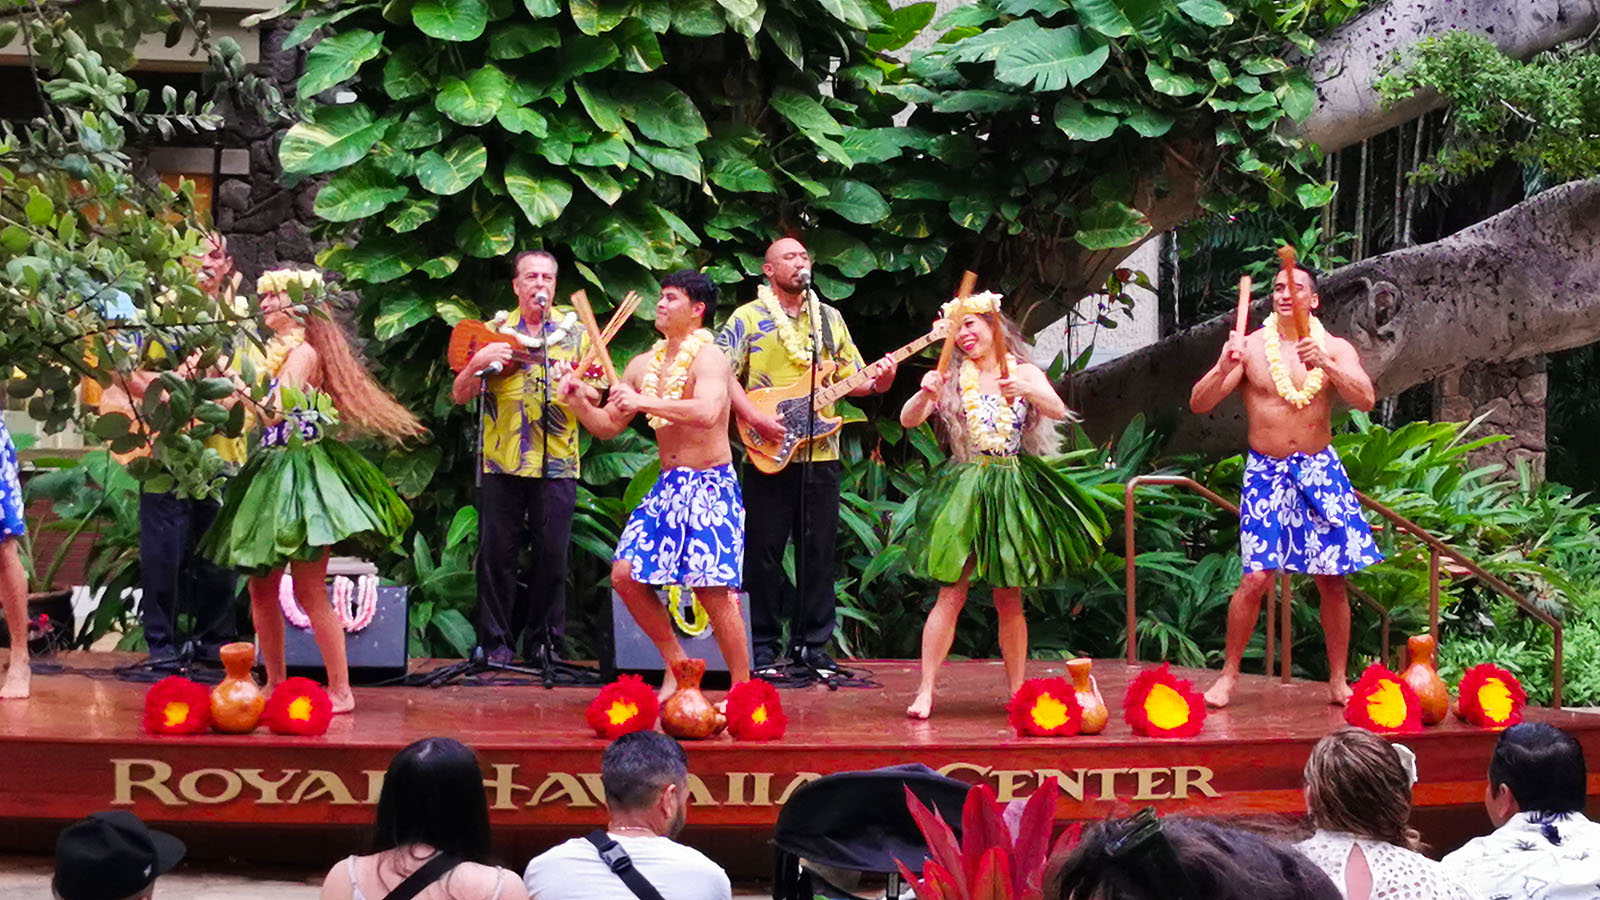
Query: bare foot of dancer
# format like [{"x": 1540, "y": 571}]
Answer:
[
  {"x": 922, "y": 707},
  {"x": 1339, "y": 692},
  {"x": 669, "y": 686},
  {"x": 1221, "y": 692},
  {"x": 343, "y": 703},
  {"x": 18, "y": 679}
]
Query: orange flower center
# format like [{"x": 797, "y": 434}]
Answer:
[
  {"x": 621, "y": 711},
  {"x": 1165, "y": 708},
  {"x": 1386, "y": 705},
  {"x": 1048, "y": 712},
  {"x": 1495, "y": 698},
  {"x": 759, "y": 717},
  {"x": 175, "y": 713},
  {"x": 300, "y": 709}
]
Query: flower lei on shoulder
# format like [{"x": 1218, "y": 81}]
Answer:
[
  {"x": 667, "y": 381},
  {"x": 797, "y": 345},
  {"x": 1315, "y": 378},
  {"x": 534, "y": 342}
]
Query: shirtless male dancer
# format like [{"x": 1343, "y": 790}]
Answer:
[{"x": 1299, "y": 512}]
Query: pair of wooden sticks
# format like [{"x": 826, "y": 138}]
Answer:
[
  {"x": 599, "y": 341},
  {"x": 969, "y": 281}
]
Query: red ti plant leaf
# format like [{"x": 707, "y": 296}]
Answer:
[
  {"x": 983, "y": 827},
  {"x": 1068, "y": 841},
  {"x": 1033, "y": 839},
  {"x": 943, "y": 852},
  {"x": 992, "y": 878}
]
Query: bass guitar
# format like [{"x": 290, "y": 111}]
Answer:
[{"x": 789, "y": 404}]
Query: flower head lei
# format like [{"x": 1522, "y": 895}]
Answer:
[
  {"x": 1315, "y": 378},
  {"x": 667, "y": 381},
  {"x": 979, "y": 303},
  {"x": 797, "y": 345},
  {"x": 534, "y": 342},
  {"x": 277, "y": 281}
]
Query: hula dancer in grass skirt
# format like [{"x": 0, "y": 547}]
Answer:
[
  {"x": 998, "y": 511},
  {"x": 302, "y": 493}
]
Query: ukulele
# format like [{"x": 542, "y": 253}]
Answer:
[
  {"x": 470, "y": 335},
  {"x": 788, "y": 404}
]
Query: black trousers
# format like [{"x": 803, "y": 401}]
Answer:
[
  {"x": 520, "y": 598},
  {"x": 772, "y": 518},
  {"x": 174, "y": 577}
]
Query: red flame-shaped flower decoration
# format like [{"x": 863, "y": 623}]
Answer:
[
  {"x": 1383, "y": 702},
  {"x": 1490, "y": 697},
  {"x": 298, "y": 706},
  {"x": 990, "y": 861},
  {"x": 1045, "y": 707},
  {"x": 623, "y": 706},
  {"x": 755, "y": 713},
  {"x": 176, "y": 705},
  {"x": 1160, "y": 704}
]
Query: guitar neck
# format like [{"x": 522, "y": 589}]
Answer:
[{"x": 839, "y": 389}]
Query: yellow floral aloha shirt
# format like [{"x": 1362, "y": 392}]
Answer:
[{"x": 513, "y": 438}]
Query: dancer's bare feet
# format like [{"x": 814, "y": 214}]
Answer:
[
  {"x": 1339, "y": 693},
  {"x": 18, "y": 681},
  {"x": 1221, "y": 691},
  {"x": 922, "y": 707},
  {"x": 343, "y": 703}
]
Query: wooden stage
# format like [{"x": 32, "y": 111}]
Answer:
[{"x": 78, "y": 746}]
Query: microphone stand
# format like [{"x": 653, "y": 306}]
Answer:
[{"x": 802, "y": 577}]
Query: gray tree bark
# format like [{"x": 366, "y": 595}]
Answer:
[{"x": 1524, "y": 282}]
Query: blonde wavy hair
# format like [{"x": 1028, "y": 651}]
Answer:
[{"x": 1040, "y": 436}]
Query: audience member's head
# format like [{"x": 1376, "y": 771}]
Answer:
[
  {"x": 1535, "y": 768},
  {"x": 1357, "y": 783},
  {"x": 433, "y": 795},
  {"x": 112, "y": 856},
  {"x": 646, "y": 779},
  {"x": 1182, "y": 859}
]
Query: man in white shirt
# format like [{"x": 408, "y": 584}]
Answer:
[
  {"x": 1543, "y": 848},
  {"x": 646, "y": 779}
]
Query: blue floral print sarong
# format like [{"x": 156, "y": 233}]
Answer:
[
  {"x": 12, "y": 523},
  {"x": 1300, "y": 514},
  {"x": 688, "y": 530}
]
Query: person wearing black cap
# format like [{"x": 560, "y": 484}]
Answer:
[{"x": 112, "y": 856}]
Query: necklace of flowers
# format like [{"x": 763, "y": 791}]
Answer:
[
  {"x": 797, "y": 345},
  {"x": 1297, "y": 397},
  {"x": 535, "y": 342},
  {"x": 356, "y": 603},
  {"x": 667, "y": 381},
  {"x": 279, "y": 348},
  {"x": 702, "y": 619},
  {"x": 988, "y": 437}
]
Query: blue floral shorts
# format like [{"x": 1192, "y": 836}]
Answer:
[
  {"x": 1300, "y": 514},
  {"x": 12, "y": 524},
  {"x": 688, "y": 530}
]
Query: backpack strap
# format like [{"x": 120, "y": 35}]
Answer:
[
  {"x": 612, "y": 854},
  {"x": 418, "y": 881}
]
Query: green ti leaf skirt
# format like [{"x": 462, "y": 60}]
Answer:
[
  {"x": 1022, "y": 521},
  {"x": 295, "y": 503}
]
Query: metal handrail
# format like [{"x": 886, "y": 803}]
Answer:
[{"x": 1436, "y": 549}]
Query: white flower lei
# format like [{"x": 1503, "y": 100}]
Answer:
[
  {"x": 277, "y": 281},
  {"x": 535, "y": 342},
  {"x": 676, "y": 375},
  {"x": 982, "y": 302},
  {"x": 991, "y": 439},
  {"x": 798, "y": 346},
  {"x": 1301, "y": 396}
]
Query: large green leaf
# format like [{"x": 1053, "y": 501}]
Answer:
[
  {"x": 596, "y": 16},
  {"x": 1149, "y": 122},
  {"x": 672, "y": 160},
  {"x": 981, "y": 101},
  {"x": 1298, "y": 97},
  {"x": 662, "y": 112},
  {"x": 403, "y": 74},
  {"x": 378, "y": 259},
  {"x": 540, "y": 197},
  {"x": 1207, "y": 12},
  {"x": 476, "y": 99},
  {"x": 490, "y": 230},
  {"x": 1079, "y": 122},
  {"x": 451, "y": 20},
  {"x": 1051, "y": 59},
  {"x": 902, "y": 26},
  {"x": 542, "y": 9},
  {"x": 454, "y": 170},
  {"x": 356, "y": 193},
  {"x": 413, "y": 214},
  {"x": 421, "y": 128},
  {"x": 847, "y": 253},
  {"x": 734, "y": 171},
  {"x": 1108, "y": 225},
  {"x": 333, "y": 138},
  {"x": 640, "y": 49},
  {"x": 858, "y": 14},
  {"x": 397, "y": 314},
  {"x": 609, "y": 236},
  {"x": 582, "y": 54},
  {"x": 855, "y": 200},
  {"x": 522, "y": 120},
  {"x": 335, "y": 60},
  {"x": 600, "y": 182},
  {"x": 805, "y": 112},
  {"x": 609, "y": 150},
  {"x": 600, "y": 106},
  {"x": 697, "y": 18},
  {"x": 1173, "y": 84},
  {"x": 744, "y": 15},
  {"x": 522, "y": 39}
]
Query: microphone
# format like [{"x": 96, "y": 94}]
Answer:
[
  {"x": 543, "y": 298},
  {"x": 490, "y": 369},
  {"x": 804, "y": 276}
]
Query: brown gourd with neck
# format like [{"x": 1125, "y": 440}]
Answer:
[
  {"x": 687, "y": 714},
  {"x": 1095, "y": 713},
  {"x": 237, "y": 702},
  {"x": 1423, "y": 676}
]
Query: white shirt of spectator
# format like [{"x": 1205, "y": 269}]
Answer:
[
  {"x": 1397, "y": 873},
  {"x": 1518, "y": 860},
  {"x": 574, "y": 871}
]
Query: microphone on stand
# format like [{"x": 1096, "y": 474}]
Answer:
[
  {"x": 804, "y": 275},
  {"x": 490, "y": 369}
]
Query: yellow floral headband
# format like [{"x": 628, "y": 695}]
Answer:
[
  {"x": 984, "y": 302},
  {"x": 277, "y": 281}
]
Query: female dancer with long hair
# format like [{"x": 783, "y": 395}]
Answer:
[
  {"x": 303, "y": 493},
  {"x": 997, "y": 512}
]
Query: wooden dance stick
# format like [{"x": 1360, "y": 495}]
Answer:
[
  {"x": 580, "y": 302},
  {"x": 619, "y": 317},
  {"x": 999, "y": 332},
  {"x": 969, "y": 280},
  {"x": 1297, "y": 299},
  {"x": 1241, "y": 325}
]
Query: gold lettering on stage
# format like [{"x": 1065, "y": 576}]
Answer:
[
  {"x": 155, "y": 782},
  {"x": 762, "y": 795},
  {"x": 374, "y": 786},
  {"x": 699, "y": 794},
  {"x": 560, "y": 784},
  {"x": 1007, "y": 788},
  {"x": 327, "y": 785},
  {"x": 189, "y": 786},
  {"x": 591, "y": 780},
  {"x": 1071, "y": 783},
  {"x": 1108, "y": 782},
  {"x": 950, "y": 770},
  {"x": 501, "y": 786},
  {"x": 1147, "y": 784},
  {"x": 268, "y": 789},
  {"x": 1197, "y": 777},
  {"x": 736, "y": 788},
  {"x": 799, "y": 780}
]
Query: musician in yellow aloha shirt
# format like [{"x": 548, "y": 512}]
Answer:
[
  {"x": 768, "y": 342},
  {"x": 529, "y": 485}
]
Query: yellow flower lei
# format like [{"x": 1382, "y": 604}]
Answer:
[
  {"x": 676, "y": 375},
  {"x": 1315, "y": 378},
  {"x": 797, "y": 345},
  {"x": 277, "y": 281},
  {"x": 279, "y": 348},
  {"x": 991, "y": 439},
  {"x": 702, "y": 618},
  {"x": 983, "y": 302}
]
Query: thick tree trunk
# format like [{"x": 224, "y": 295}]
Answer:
[{"x": 1524, "y": 282}]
